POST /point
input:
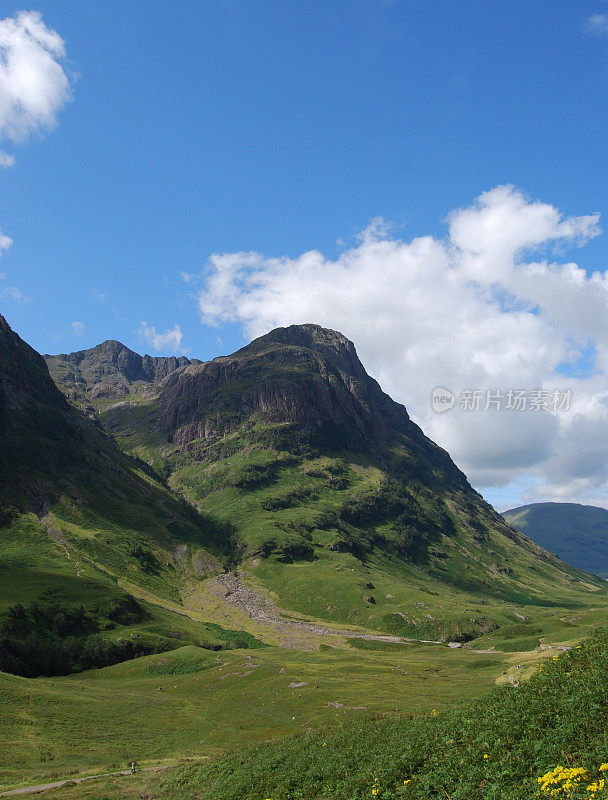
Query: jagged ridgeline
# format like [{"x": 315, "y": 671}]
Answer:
[{"x": 337, "y": 500}]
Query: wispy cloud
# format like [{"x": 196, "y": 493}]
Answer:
[
  {"x": 14, "y": 293},
  {"x": 78, "y": 327},
  {"x": 169, "y": 342},
  {"x": 100, "y": 297},
  {"x": 596, "y": 25},
  {"x": 5, "y": 242},
  {"x": 485, "y": 307},
  {"x": 6, "y": 160}
]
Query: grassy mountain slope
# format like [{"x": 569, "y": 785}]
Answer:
[
  {"x": 578, "y": 534},
  {"x": 494, "y": 748},
  {"x": 340, "y": 507},
  {"x": 82, "y": 524}
]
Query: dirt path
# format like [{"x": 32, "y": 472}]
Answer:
[
  {"x": 43, "y": 787},
  {"x": 61, "y": 540}
]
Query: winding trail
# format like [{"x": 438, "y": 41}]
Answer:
[{"x": 43, "y": 787}]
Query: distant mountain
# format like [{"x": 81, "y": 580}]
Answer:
[
  {"x": 339, "y": 504},
  {"x": 577, "y": 533},
  {"x": 109, "y": 370}
]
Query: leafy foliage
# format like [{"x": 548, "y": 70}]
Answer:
[{"x": 54, "y": 637}]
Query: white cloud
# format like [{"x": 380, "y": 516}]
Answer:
[
  {"x": 486, "y": 307},
  {"x": 78, "y": 327},
  {"x": 33, "y": 84},
  {"x": 5, "y": 242},
  {"x": 596, "y": 25},
  {"x": 170, "y": 341}
]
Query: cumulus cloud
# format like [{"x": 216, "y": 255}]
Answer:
[
  {"x": 33, "y": 84},
  {"x": 489, "y": 306},
  {"x": 596, "y": 25},
  {"x": 170, "y": 341}
]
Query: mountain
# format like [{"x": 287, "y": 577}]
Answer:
[
  {"x": 340, "y": 507},
  {"x": 577, "y": 533},
  {"x": 109, "y": 370},
  {"x": 81, "y": 520},
  {"x": 53, "y": 455},
  {"x": 274, "y": 499}
]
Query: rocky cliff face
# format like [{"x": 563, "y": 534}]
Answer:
[
  {"x": 303, "y": 374},
  {"x": 109, "y": 370}
]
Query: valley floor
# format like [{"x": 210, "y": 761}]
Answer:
[
  {"x": 189, "y": 704},
  {"x": 172, "y": 706}
]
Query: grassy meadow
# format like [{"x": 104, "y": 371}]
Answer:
[
  {"x": 513, "y": 743},
  {"x": 194, "y": 703}
]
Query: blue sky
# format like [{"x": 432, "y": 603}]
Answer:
[{"x": 282, "y": 127}]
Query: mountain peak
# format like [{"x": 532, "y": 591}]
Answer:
[
  {"x": 308, "y": 335},
  {"x": 109, "y": 369},
  {"x": 302, "y": 375}
]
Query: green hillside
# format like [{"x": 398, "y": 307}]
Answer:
[
  {"x": 494, "y": 749},
  {"x": 578, "y": 534},
  {"x": 339, "y": 506},
  {"x": 83, "y": 528},
  {"x": 192, "y": 703}
]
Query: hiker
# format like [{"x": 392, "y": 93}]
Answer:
[{"x": 132, "y": 767}]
